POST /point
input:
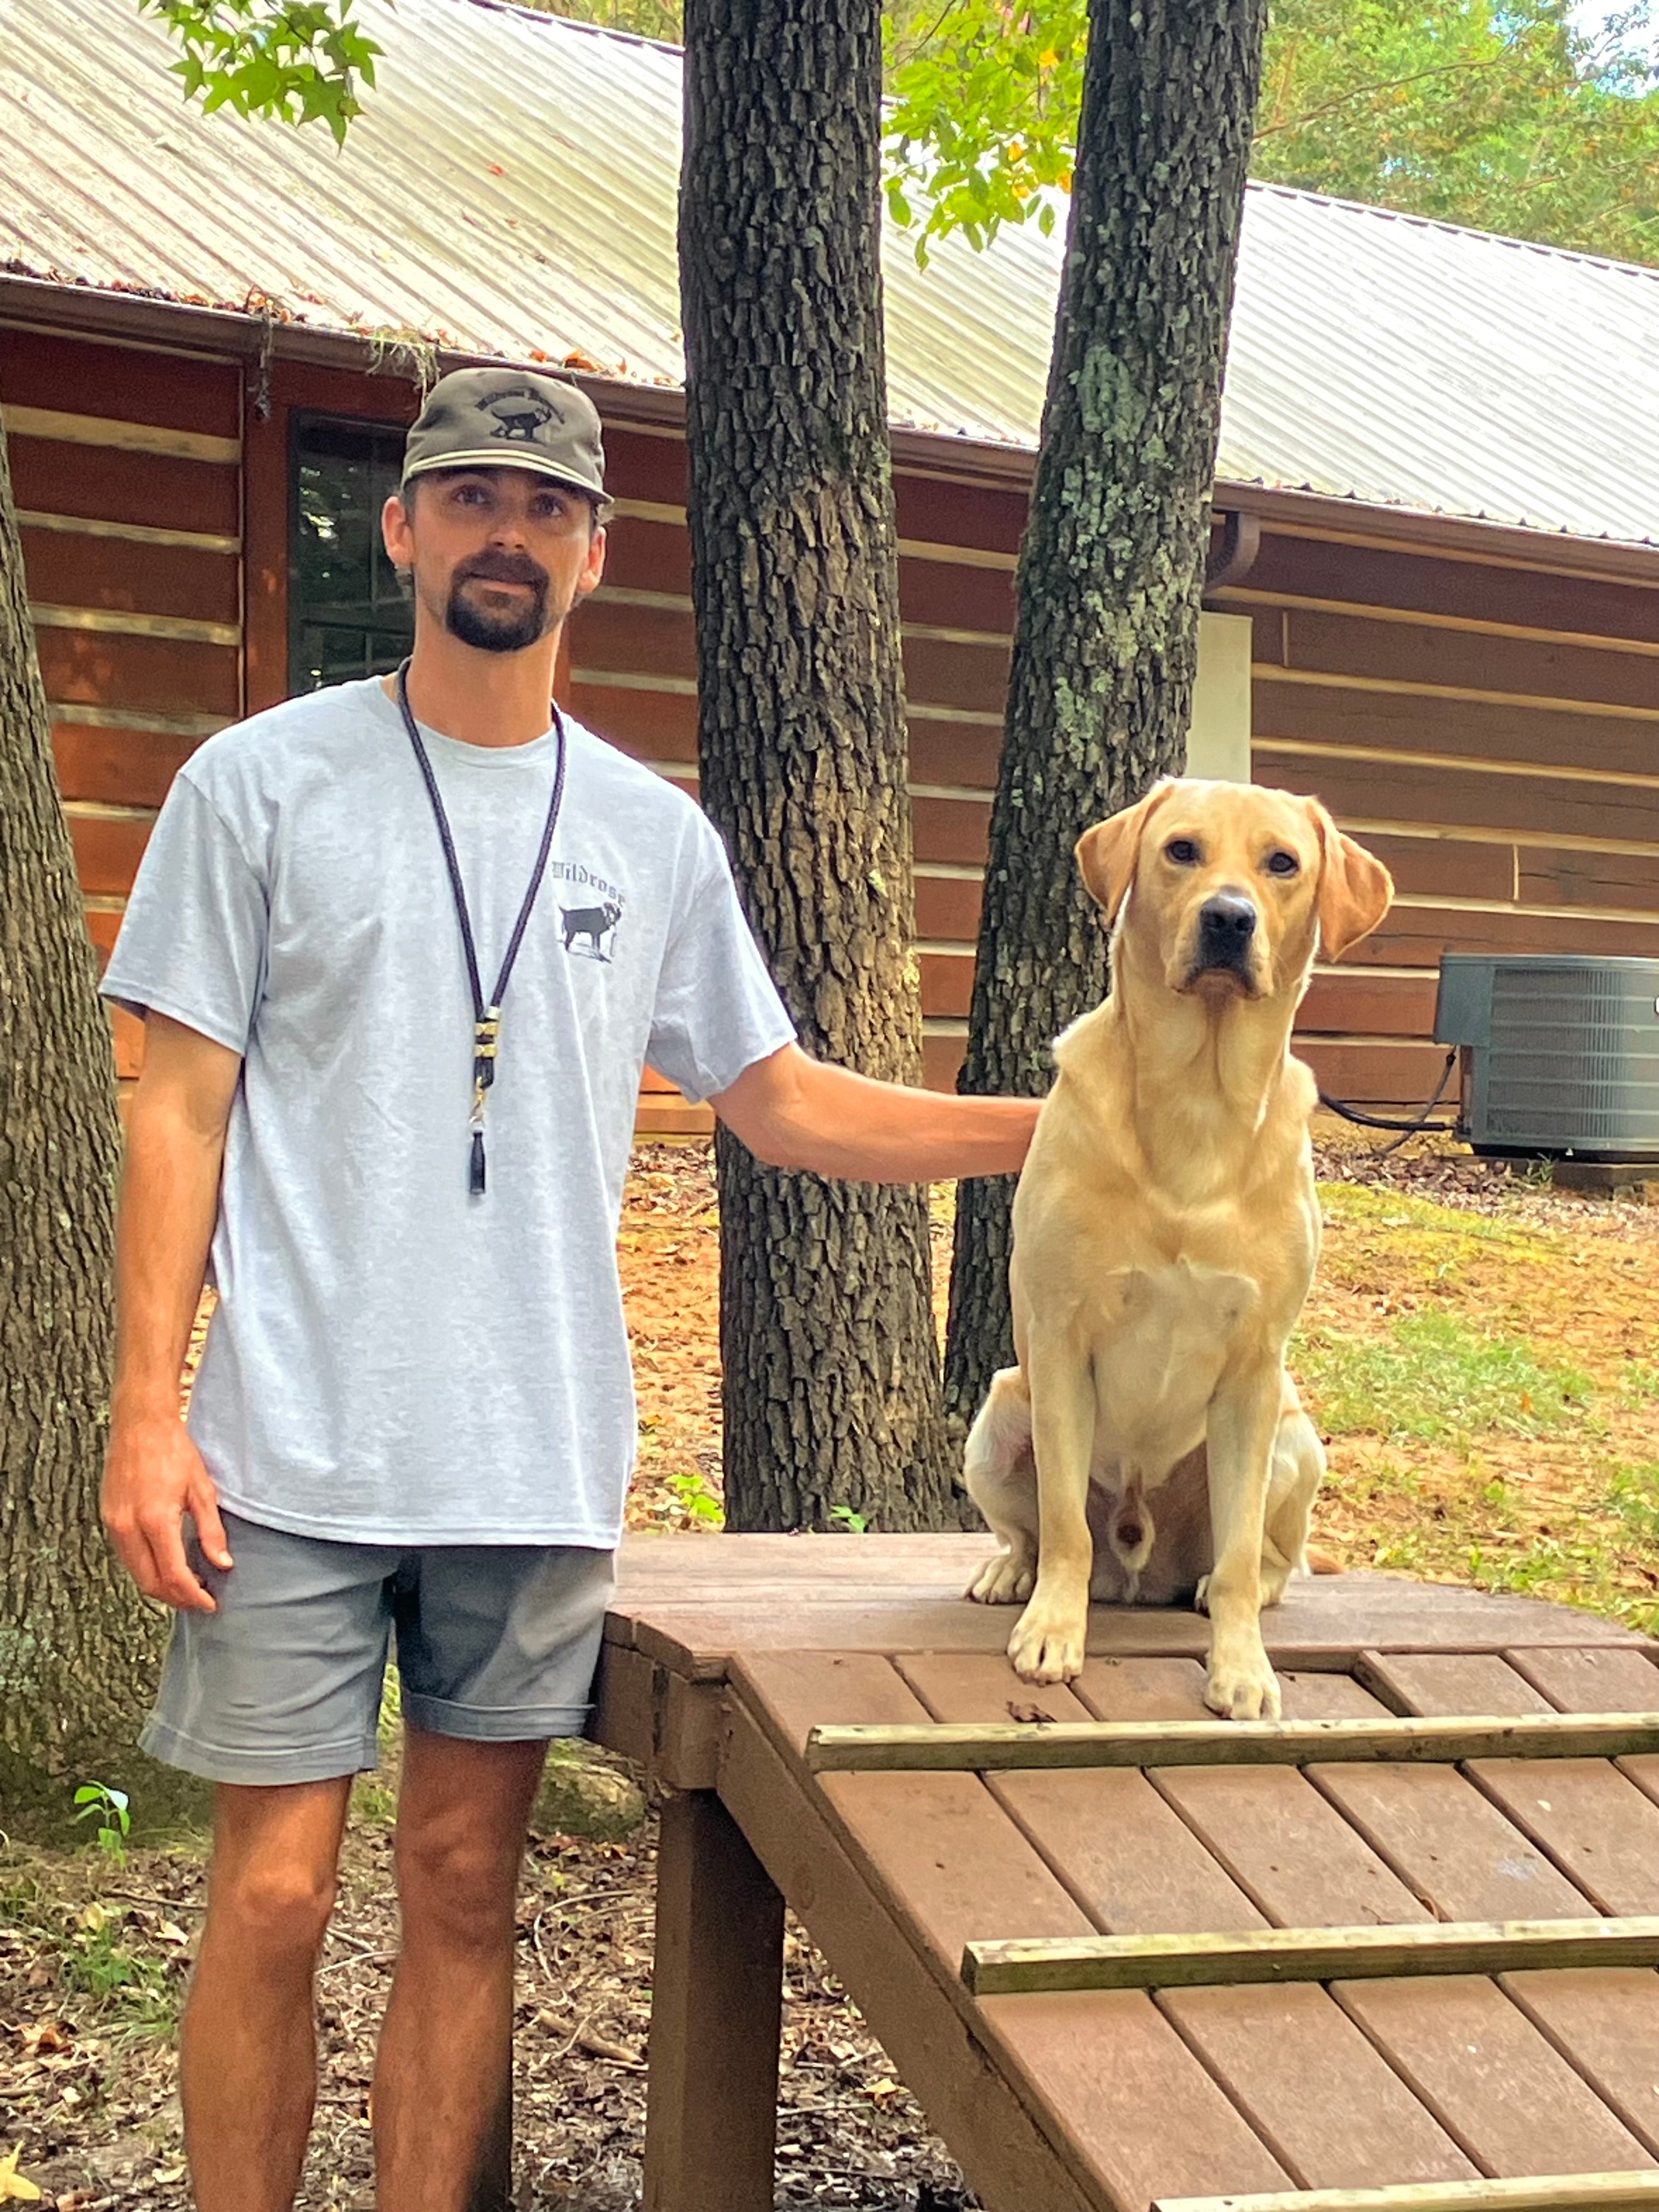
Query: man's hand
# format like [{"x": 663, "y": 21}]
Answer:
[
  {"x": 794, "y": 1112},
  {"x": 152, "y": 1476}
]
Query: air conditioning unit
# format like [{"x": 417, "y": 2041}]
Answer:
[{"x": 1560, "y": 1055}]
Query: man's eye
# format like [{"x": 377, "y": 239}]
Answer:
[
  {"x": 1182, "y": 852},
  {"x": 1283, "y": 864}
]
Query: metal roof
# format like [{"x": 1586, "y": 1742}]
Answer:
[{"x": 510, "y": 191}]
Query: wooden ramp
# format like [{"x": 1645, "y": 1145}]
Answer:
[{"x": 1367, "y": 2086}]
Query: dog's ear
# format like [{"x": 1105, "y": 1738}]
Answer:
[
  {"x": 1355, "y": 890},
  {"x": 1106, "y": 855}
]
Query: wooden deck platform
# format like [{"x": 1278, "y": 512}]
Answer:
[{"x": 724, "y": 1652}]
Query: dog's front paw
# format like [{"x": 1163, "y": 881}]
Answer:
[
  {"x": 1005, "y": 1579},
  {"x": 1049, "y": 1643},
  {"x": 1242, "y": 1687}
]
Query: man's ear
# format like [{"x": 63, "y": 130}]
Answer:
[
  {"x": 1355, "y": 891},
  {"x": 1106, "y": 855}
]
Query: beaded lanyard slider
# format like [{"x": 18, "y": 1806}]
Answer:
[{"x": 486, "y": 1019}]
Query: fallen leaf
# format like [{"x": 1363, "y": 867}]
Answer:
[
  {"x": 16, "y": 2188},
  {"x": 1033, "y": 1714}
]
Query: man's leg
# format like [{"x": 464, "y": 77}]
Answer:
[
  {"x": 249, "y": 2062},
  {"x": 447, "y": 2046}
]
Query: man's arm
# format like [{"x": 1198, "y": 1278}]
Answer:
[
  {"x": 794, "y": 1112},
  {"x": 154, "y": 1473}
]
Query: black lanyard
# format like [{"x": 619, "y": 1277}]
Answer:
[{"x": 486, "y": 1019}]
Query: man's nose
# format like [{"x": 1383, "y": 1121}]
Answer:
[{"x": 1226, "y": 924}]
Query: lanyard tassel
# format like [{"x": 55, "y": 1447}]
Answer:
[{"x": 476, "y": 1184}]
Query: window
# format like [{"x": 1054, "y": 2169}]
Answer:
[{"x": 348, "y": 614}]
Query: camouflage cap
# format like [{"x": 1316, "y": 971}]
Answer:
[{"x": 508, "y": 418}]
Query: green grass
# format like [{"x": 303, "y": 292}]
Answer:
[
  {"x": 1434, "y": 1377},
  {"x": 1633, "y": 1501}
]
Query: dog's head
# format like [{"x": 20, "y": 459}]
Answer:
[{"x": 1227, "y": 889}]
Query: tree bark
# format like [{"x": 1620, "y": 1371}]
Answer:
[
  {"x": 1112, "y": 567},
  {"x": 77, "y": 1644},
  {"x": 827, "y": 1335}
]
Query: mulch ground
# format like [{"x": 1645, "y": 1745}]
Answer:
[{"x": 1549, "y": 1481}]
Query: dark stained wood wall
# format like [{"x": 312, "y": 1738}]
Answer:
[
  {"x": 127, "y": 468},
  {"x": 1492, "y": 733},
  {"x": 1491, "y": 730}
]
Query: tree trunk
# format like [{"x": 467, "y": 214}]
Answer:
[
  {"x": 77, "y": 1645},
  {"x": 1112, "y": 567},
  {"x": 827, "y": 1334}
]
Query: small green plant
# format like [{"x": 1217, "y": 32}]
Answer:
[
  {"x": 109, "y": 1807},
  {"x": 139, "y": 1992},
  {"x": 695, "y": 1499},
  {"x": 854, "y": 1524}
]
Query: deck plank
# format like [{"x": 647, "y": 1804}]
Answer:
[
  {"x": 1292, "y": 1853},
  {"x": 1590, "y": 1819},
  {"x": 1330, "y": 2109},
  {"x": 946, "y": 1861},
  {"x": 1592, "y": 1680},
  {"x": 1606, "y": 2022},
  {"x": 1128, "y": 1857},
  {"x": 1448, "y": 1683},
  {"x": 1497, "y": 2086},
  {"x": 1455, "y": 1849}
]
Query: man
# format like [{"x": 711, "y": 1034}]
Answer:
[{"x": 403, "y": 953}]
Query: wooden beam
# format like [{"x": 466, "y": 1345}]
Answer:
[
  {"x": 717, "y": 1994},
  {"x": 1557, "y": 2192},
  {"x": 1003, "y": 1746},
  {"x": 1304, "y": 1954}
]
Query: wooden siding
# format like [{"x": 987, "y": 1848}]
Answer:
[
  {"x": 1493, "y": 734},
  {"x": 127, "y": 466},
  {"x": 1491, "y": 729}
]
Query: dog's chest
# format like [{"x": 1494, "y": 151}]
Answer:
[{"x": 1162, "y": 1340}]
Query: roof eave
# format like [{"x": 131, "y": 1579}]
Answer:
[{"x": 992, "y": 466}]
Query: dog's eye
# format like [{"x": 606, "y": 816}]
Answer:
[
  {"x": 1283, "y": 864},
  {"x": 1182, "y": 852}
]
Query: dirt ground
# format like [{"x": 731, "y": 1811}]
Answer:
[{"x": 1480, "y": 1353}]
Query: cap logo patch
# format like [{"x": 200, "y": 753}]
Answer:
[{"x": 518, "y": 414}]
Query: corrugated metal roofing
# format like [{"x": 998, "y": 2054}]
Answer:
[{"x": 510, "y": 189}]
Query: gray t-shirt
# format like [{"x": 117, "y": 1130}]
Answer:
[{"x": 394, "y": 1360}]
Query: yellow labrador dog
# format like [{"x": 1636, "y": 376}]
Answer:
[{"x": 1150, "y": 1445}]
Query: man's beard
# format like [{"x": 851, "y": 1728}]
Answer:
[{"x": 505, "y": 629}]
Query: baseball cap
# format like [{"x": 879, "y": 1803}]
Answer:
[{"x": 508, "y": 418}]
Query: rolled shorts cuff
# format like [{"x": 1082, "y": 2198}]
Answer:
[
  {"x": 320, "y": 1762},
  {"x": 494, "y": 1723}
]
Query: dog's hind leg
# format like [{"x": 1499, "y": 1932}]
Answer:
[
  {"x": 1298, "y": 1468},
  {"x": 1001, "y": 1474}
]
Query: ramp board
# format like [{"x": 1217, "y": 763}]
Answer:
[{"x": 726, "y": 1654}]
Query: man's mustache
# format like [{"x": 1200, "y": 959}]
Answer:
[{"x": 503, "y": 568}]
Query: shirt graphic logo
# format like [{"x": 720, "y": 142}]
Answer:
[
  {"x": 586, "y": 927},
  {"x": 519, "y": 414}
]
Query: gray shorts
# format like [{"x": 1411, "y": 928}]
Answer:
[{"x": 497, "y": 1643}]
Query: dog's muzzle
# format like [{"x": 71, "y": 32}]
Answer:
[{"x": 1226, "y": 938}]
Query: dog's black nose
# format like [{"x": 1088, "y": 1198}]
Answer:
[{"x": 1226, "y": 923}]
